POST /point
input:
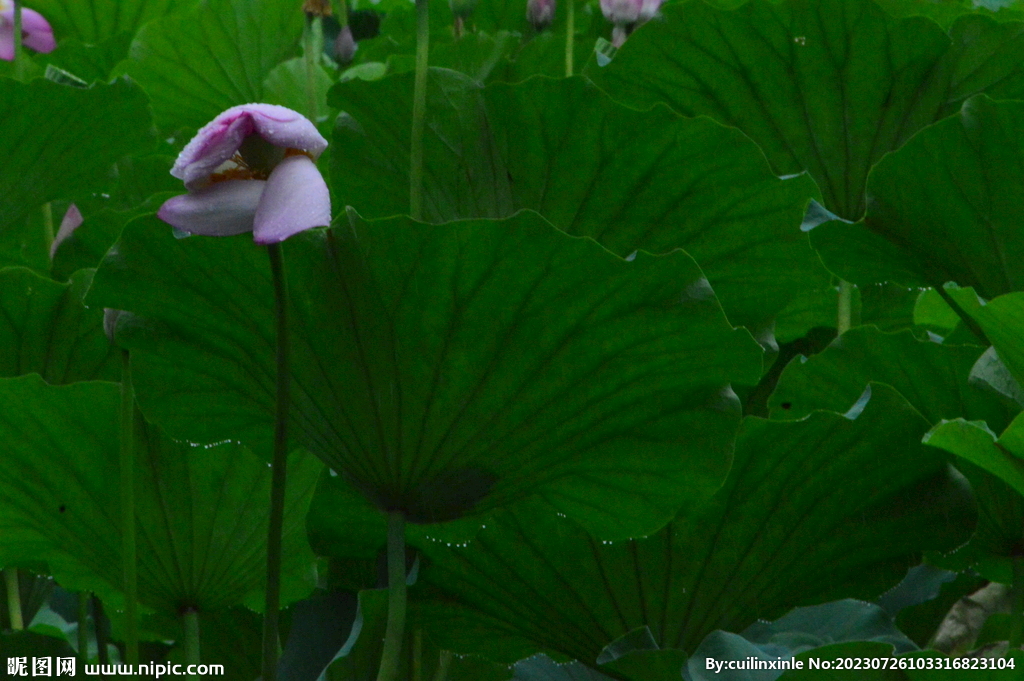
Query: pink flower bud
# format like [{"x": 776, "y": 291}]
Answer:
[
  {"x": 345, "y": 45},
  {"x": 540, "y": 13}
]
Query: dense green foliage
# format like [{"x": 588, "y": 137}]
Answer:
[{"x": 712, "y": 348}]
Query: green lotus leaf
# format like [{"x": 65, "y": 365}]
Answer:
[
  {"x": 201, "y": 540},
  {"x": 826, "y": 86},
  {"x": 812, "y": 510},
  {"x": 60, "y": 142},
  {"x": 932, "y": 377},
  {"x": 195, "y": 64},
  {"x": 632, "y": 180},
  {"x": 443, "y": 369},
  {"x": 943, "y": 208},
  {"x": 45, "y": 329}
]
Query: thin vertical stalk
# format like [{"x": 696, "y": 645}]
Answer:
[
  {"x": 100, "y": 626},
  {"x": 128, "y": 547},
  {"x": 19, "y": 71},
  {"x": 14, "y": 599},
  {"x": 312, "y": 45},
  {"x": 278, "y": 470},
  {"x": 419, "y": 110},
  {"x": 444, "y": 661},
  {"x": 190, "y": 621},
  {"x": 845, "y": 307},
  {"x": 1016, "y": 636},
  {"x": 417, "y": 655},
  {"x": 394, "y": 632},
  {"x": 83, "y": 625},
  {"x": 570, "y": 36}
]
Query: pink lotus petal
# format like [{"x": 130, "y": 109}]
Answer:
[
  {"x": 36, "y": 30},
  {"x": 39, "y": 35},
  {"x": 222, "y": 209},
  {"x": 622, "y": 11},
  {"x": 296, "y": 199},
  {"x": 72, "y": 221},
  {"x": 219, "y": 139}
]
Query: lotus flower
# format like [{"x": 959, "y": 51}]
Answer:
[
  {"x": 627, "y": 14},
  {"x": 35, "y": 31},
  {"x": 251, "y": 169},
  {"x": 540, "y": 13}
]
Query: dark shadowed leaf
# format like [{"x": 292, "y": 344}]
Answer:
[
  {"x": 447, "y": 369},
  {"x": 827, "y": 86},
  {"x": 812, "y": 510}
]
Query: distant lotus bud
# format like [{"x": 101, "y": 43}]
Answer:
[
  {"x": 345, "y": 46},
  {"x": 649, "y": 9},
  {"x": 540, "y": 13},
  {"x": 621, "y": 12},
  {"x": 462, "y": 8},
  {"x": 72, "y": 221}
]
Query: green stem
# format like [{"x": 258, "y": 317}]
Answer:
[
  {"x": 845, "y": 306},
  {"x": 419, "y": 110},
  {"x": 443, "y": 663},
  {"x": 570, "y": 37},
  {"x": 190, "y": 621},
  {"x": 1016, "y": 636},
  {"x": 393, "y": 634},
  {"x": 278, "y": 470},
  {"x": 14, "y": 599},
  {"x": 312, "y": 46},
  {"x": 129, "y": 414},
  {"x": 99, "y": 625},
  {"x": 417, "y": 655},
  {"x": 83, "y": 626},
  {"x": 19, "y": 71}
]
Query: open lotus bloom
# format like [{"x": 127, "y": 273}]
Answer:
[
  {"x": 251, "y": 169},
  {"x": 35, "y": 31}
]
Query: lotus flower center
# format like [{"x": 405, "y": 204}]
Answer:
[{"x": 255, "y": 159}]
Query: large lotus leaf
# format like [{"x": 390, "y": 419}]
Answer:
[
  {"x": 441, "y": 369},
  {"x": 195, "y": 64},
  {"x": 45, "y": 329},
  {"x": 931, "y": 376},
  {"x": 93, "y": 21},
  {"x": 201, "y": 536},
  {"x": 813, "y": 510},
  {"x": 58, "y": 141},
  {"x": 631, "y": 180},
  {"x": 827, "y": 86},
  {"x": 943, "y": 208}
]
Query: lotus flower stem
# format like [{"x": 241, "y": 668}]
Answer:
[
  {"x": 83, "y": 626},
  {"x": 419, "y": 110},
  {"x": 99, "y": 626},
  {"x": 444, "y": 661},
  {"x": 1016, "y": 635},
  {"x": 129, "y": 417},
  {"x": 312, "y": 45},
  {"x": 13, "y": 598},
  {"x": 18, "y": 66},
  {"x": 395, "y": 631},
  {"x": 190, "y": 621},
  {"x": 845, "y": 311},
  {"x": 278, "y": 470},
  {"x": 570, "y": 36}
]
